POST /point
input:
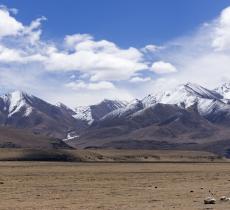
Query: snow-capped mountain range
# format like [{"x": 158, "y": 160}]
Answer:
[
  {"x": 13, "y": 102},
  {"x": 224, "y": 90},
  {"x": 21, "y": 110},
  {"x": 190, "y": 103},
  {"x": 184, "y": 96},
  {"x": 97, "y": 111},
  {"x": 186, "y": 114}
]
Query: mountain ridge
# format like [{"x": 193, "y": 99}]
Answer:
[
  {"x": 198, "y": 116},
  {"x": 184, "y": 116}
]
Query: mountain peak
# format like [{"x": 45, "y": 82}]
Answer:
[
  {"x": 61, "y": 105},
  {"x": 184, "y": 95},
  {"x": 223, "y": 87},
  {"x": 225, "y": 84},
  {"x": 16, "y": 96},
  {"x": 195, "y": 88},
  {"x": 18, "y": 93},
  {"x": 15, "y": 101},
  {"x": 224, "y": 90},
  {"x": 109, "y": 102},
  {"x": 192, "y": 85},
  {"x": 105, "y": 100},
  {"x": 99, "y": 110}
]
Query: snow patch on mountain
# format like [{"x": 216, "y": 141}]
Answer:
[
  {"x": 70, "y": 137},
  {"x": 97, "y": 111},
  {"x": 28, "y": 111},
  {"x": 184, "y": 96},
  {"x": 83, "y": 113},
  {"x": 15, "y": 102},
  {"x": 134, "y": 106},
  {"x": 224, "y": 90}
]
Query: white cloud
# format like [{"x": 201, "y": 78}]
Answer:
[
  {"x": 9, "y": 26},
  {"x": 8, "y": 55},
  {"x": 73, "y": 40},
  {"x": 102, "y": 85},
  {"x": 14, "y": 11},
  {"x": 202, "y": 57},
  {"x": 151, "y": 48},
  {"x": 17, "y": 43},
  {"x": 221, "y": 40},
  {"x": 72, "y": 76},
  {"x": 27, "y": 61},
  {"x": 140, "y": 79},
  {"x": 32, "y": 64},
  {"x": 161, "y": 67},
  {"x": 102, "y": 60},
  {"x": 33, "y": 32}
]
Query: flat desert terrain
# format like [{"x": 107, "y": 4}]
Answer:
[
  {"x": 112, "y": 186},
  {"x": 108, "y": 155}
]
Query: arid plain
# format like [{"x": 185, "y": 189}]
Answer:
[{"x": 112, "y": 186}]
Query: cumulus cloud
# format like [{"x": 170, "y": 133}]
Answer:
[
  {"x": 9, "y": 26},
  {"x": 221, "y": 38},
  {"x": 72, "y": 40},
  {"x": 14, "y": 11},
  {"x": 33, "y": 32},
  {"x": 98, "y": 63},
  {"x": 151, "y": 48},
  {"x": 9, "y": 55},
  {"x": 161, "y": 67},
  {"x": 101, "y": 60},
  {"x": 204, "y": 56},
  {"x": 12, "y": 56},
  {"x": 83, "y": 64},
  {"x": 17, "y": 41},
  {"x": 140, "y": 79}
]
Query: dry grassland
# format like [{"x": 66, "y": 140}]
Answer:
[{"x": 112, "y": 186}]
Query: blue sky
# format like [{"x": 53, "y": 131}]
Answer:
[
  {"x": 125, "y": 22},
  {"x": 81, "y": 51}
]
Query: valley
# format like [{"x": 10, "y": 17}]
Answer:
[{"x": 115, "y": 105}]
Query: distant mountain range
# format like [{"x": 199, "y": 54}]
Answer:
[
  {"x": 21, "y": 110},
  {"x": 96, "y": 112},
  {"x": 186, "y": 117}
]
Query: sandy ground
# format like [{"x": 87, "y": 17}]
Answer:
[{"x": 112, "y": 186}]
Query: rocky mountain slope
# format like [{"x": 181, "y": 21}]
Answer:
[
  {"x": 24, "y": 138},
  {"x": 36, "y": 117},
  {"x": 186, "y": 117},
  {"x": 224, "y": 90},
  {"x": 189, "y": 116},
  {"x": 95, "y": 112},
  {"x": 21, "y": 110}
]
